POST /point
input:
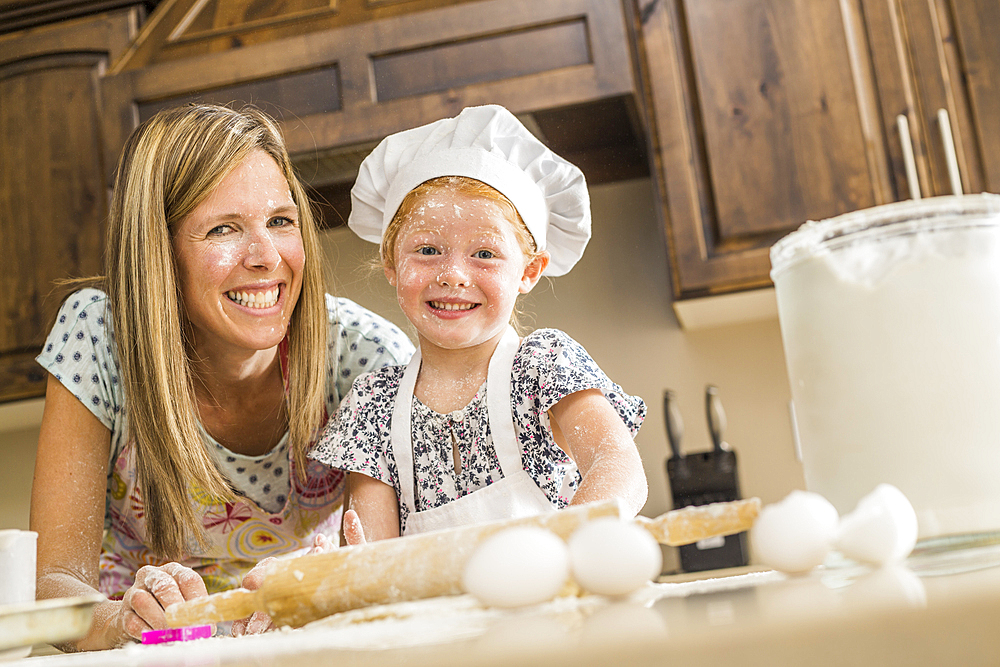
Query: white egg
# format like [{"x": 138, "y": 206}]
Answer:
[
  {"x": 795, "y": 534},
  {"x": 882, "y": 528},
  {"x": 609, "y": 556},
  {"x": 516, "y": 567}
]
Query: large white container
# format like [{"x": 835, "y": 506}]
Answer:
[{"x": 890, "y": 319}]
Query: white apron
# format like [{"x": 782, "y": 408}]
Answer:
[{"x": 516, "y": 495}]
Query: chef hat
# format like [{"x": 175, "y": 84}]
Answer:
[{"x": 488, "y": 144}]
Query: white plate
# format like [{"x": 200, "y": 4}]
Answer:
[{"x": 45, "y": 622}]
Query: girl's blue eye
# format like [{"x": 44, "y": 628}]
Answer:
[
  {"x": 484, "y": 254},
  {"x": 427, "y": 250}
]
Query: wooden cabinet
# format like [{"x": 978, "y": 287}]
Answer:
[
  {"x": 53, "y": 184},
  {"x": 766, "y": 113},
  {"x": 342, "y": 75},
  {"x": 338, "y": 74}
]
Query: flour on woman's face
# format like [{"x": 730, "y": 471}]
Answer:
[{"x": 240, "y": 258}]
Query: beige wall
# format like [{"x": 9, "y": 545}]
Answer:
[
  {"x": 17, "y": 454},
  {"x": 616, "y": 302}
]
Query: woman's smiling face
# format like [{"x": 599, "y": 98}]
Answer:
[
  {"x": 458, "y": 269},
  {"x": 239, "y": 258}
]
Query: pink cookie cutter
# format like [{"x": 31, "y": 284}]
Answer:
[{"x": 176, "y": 634}]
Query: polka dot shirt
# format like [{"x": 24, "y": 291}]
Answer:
[{"x": 81, "y": 353}]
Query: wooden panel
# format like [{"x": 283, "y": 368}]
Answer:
[
  {"x": 15, "y": 16},
  {"x": 53, "y": 191},
  {"x": 933, "y": 89},
  {"x": 976, "y": 23},
  {"x": 363, "y": 117},
  {"x": 53, "y": 200},
  {"x": 288, "y": 96},
  {"x": 216, "y": 17},
  {"x": 779, "y": 111},
  {"x": 761, "y": 123},
  {"x": 480, "y": 59},
  {"x": 182, "y": 29}
]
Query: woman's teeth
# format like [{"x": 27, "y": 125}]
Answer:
[
  {"x": 452, "y": 306},
  {"x": 252, "y": 300}
]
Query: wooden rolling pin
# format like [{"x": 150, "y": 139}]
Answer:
[{"x": 296, "y": 591}]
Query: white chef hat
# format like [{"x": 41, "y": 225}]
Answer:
[{"x": 489, "y": 144}]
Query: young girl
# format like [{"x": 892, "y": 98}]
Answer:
[{"x": 482, "y": 425}]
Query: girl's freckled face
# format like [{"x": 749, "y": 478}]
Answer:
[
  {"x": 243, "y": 239},
  {"x": 459, "y": 269}
]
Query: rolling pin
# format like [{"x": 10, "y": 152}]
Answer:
[{"x": 298, "y": 590}]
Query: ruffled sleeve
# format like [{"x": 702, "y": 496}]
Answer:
[
  {"x": 356, "y": 438},
  {"x": 551, "y": 365}
]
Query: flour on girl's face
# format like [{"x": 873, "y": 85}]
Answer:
[{"x": 459, "y": 269}]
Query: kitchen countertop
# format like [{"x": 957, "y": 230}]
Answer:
[{"x": 941, "y": 608}]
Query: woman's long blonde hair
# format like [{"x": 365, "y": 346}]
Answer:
[{"x": 170, "y": 163}]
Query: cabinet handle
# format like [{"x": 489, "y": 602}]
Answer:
[
  {"x": 951, "y": 158},
  {"x": 908, "y": 161}
]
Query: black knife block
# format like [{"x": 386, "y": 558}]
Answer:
[{"x": 702, "y": 478}]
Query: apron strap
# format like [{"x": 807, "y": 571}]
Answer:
[
  {"x": 498, "y": 403},
  {"x": 498, "y": 406},
  {"x": 400, "y": 440}
]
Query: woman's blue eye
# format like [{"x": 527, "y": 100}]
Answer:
[
  {"x": 484, "y": 254},
  {"x": 219, "y": 230},
  {"x": 281, "y": 222}
]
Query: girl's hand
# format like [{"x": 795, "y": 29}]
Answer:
[
  {"x": 155, "y": 589},
  {"x": 259, "y": 622},
  {"x": 354, "y": 532}
]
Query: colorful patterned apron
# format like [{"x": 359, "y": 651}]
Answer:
[{"x": 240, "y": 533}]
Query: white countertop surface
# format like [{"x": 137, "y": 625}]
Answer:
[{"x": 939, "y": 609}]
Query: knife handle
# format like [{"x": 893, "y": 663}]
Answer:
[
  {"x": 675, "y": 425},
  {"x": 716, "y": 417}
]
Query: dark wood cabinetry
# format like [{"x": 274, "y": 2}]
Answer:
[
  {"x": 767, "y": 113},
  {"x": 339, "y": 75},
  {"x": 342, "y": 80},
  {"x": 752, "y": 116},
  {"x": 53, "y": 177}
]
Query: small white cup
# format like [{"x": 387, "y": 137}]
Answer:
[
  {"x": 17, "y": 575},
  {"x": 17, "y": 566}
]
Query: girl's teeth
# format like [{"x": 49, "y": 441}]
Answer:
[
  {"x": 452, "y": 306},
  {"x": 255, "y": 300}
]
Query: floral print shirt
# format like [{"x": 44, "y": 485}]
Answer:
[{"x": 548, "y": 366}]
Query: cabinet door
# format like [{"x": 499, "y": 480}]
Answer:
[
  {"x": 975, "y": 63},
  {"x": 763, "y": 117},
  {"x": 53, "y": 192},
  {"x": 921, "y": 71}
]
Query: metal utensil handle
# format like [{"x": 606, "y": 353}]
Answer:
[
  {"x": 716, "y": 416},
  {"x": 675, "y": 426},
  {"x": 906, "y": 141},
  {"x": 950, "y": 156}
]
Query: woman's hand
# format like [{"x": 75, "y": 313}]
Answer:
[{"x": 155, "y": 589}]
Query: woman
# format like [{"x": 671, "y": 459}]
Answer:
[{"x": 187, "y": 385}]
